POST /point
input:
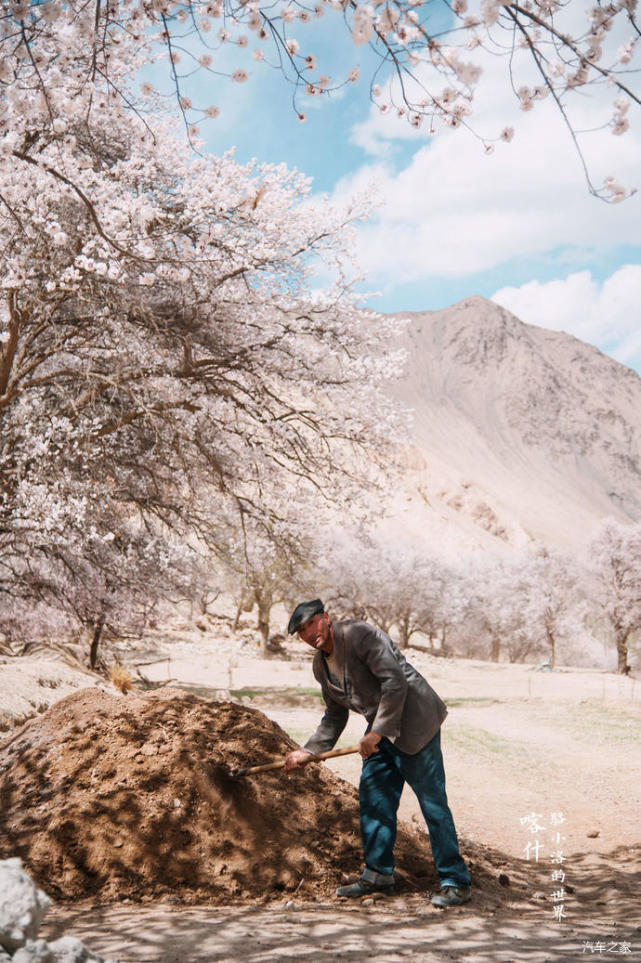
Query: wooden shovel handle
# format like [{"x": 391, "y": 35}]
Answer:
[{"x": 332, "y": 754}]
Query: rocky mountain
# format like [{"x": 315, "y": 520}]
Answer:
[{"x": 519, "y": 432}]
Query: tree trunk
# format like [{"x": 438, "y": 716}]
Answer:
[
  {"x": 403, "y": 633},
  {"x": 445, "y": 649},
  {"x": 239, "y": 610},
  {"x": 98, "y": 626},
  {"x": 496, "y": 648},
  {"x": 264, "y": 611},
  {"x": 552, "y": 643},
  {"x": 622, "y": 651}
]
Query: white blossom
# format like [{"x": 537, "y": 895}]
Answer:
[
  {"x": 490, "y": 10},
  {"x": 625, "y": 51}
]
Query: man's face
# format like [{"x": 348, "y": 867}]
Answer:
[{"x": 317, "y": 632}]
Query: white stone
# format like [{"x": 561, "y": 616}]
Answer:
[
  {"x": 68, "y": 949},
  {"x": 22, "y": 906},
  {"x": 34, "y": 951}
]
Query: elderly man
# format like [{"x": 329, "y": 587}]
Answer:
[{"x": 360, "y": 668}]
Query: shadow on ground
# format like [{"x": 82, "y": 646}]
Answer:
[{"x": 391, "y": 931}]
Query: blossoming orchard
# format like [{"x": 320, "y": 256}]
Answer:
[
  {"x": 163, "y": 363},
  {"x": 162, "y": 359}
]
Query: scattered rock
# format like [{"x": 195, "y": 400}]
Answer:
[
  {"x": 67, "y": 949},
  {"x": 594, "y": 834},
  {"x": 504, "y": 879},
  {"x": 22, "y": 906}
]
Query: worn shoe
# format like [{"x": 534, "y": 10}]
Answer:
[
  {"x": 370, "y": 882},
  {"x": 451, "y": 896}
]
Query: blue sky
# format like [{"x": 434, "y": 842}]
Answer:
[{"x": 518, "y": 225}]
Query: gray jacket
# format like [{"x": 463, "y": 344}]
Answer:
[{"x": 377, "y": 682}]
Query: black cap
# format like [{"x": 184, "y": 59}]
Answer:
[{"x": 303, "y": 612}]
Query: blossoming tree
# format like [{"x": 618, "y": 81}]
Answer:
[
  {"x": 423, "y": 61},
  {"x": 613, "y": 559},
  {"x": 161, "y": 356},
  {"x": 397, "y": 585}
]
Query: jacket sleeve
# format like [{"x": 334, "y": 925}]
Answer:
[
  {"x": 375, "y": 650},
  {"x": 331, "y": 725}
]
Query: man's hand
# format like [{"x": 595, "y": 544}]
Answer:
[
  {"x": 369, "y": 744},
  {"x": 296, "y": 758}
]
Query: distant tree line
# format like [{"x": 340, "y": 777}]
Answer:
[{"x": 537, "y": 604}]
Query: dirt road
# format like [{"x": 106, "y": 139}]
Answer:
[{"x": 538, "y": 765}]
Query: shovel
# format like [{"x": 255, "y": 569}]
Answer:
[{"x": 332, "y": 754}]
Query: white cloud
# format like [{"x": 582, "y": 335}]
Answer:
[
  {"x": 606, "y": 313},
  {"x": 453, "y": 211}
]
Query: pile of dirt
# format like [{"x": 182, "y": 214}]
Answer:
[{"x": 115, "y": 797}]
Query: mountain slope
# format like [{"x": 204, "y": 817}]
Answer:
[{"x": 519, "y": 432}]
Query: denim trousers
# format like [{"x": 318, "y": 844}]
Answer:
[{"x": 382, "y": 779}]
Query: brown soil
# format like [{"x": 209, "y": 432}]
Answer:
[{"x": 114, "y": 798}]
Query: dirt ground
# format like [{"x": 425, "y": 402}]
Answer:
[{"x": 555, "y": 750}]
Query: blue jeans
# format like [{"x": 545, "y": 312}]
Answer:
[{"x": 382, "y": 779}]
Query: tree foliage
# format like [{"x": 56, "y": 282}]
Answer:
[
  {"x": 613, "y": 558},
  {"x": 423, "y": 61},
  {"x": 162, "y": 360}
]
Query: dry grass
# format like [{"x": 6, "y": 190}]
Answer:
[{"x": 121, "y": 678}]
